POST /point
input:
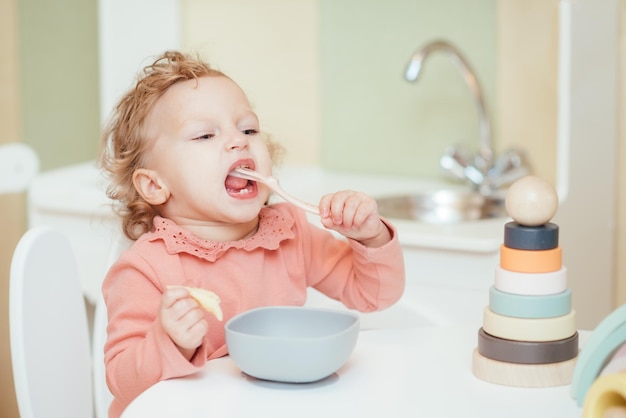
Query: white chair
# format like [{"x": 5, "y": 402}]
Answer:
[
  {"x": 50, "y": 348},
  {"x": 102, "y": 395}
]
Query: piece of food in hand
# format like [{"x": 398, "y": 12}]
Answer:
[{"x": 208, "y": 300}]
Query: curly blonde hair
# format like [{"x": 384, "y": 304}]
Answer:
[{"x": 124, "y": 143}]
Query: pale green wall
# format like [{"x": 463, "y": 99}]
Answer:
[
  {"x": 372, "y": 119},
  {"x": 58, "y": 48}
]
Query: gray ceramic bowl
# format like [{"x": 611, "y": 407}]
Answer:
[{"x": 291, "y": 343}]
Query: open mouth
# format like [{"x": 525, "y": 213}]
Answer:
[{"x": 236, "y": 186}]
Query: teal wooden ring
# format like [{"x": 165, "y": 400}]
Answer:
[
  {"x": 611, "y": 331},
  {"x": 589, "y": 369},
  {"x": 530, "y": 306}
]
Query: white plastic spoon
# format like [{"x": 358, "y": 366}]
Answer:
[{"x": 272, "y": 183}]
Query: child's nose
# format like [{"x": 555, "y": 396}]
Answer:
[{"x": 237, "y": 139}]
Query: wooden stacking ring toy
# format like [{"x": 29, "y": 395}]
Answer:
[{"x": 529, "y": 336}]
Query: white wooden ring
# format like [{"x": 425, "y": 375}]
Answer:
[{"x": 531, "y": 283}]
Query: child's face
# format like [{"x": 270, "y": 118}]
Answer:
[{"x": 199, "y": 133}]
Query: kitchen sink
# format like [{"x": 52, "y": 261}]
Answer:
[{"x": 442, "y": 206}]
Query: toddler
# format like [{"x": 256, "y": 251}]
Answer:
[{"x": 168, "y": 149}]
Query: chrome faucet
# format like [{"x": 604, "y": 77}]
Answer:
[{"x": 481, "y": 171}]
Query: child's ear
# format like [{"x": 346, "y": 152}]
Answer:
[{"x": 150, "y": 186}]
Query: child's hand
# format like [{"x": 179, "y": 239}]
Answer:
[
  {"x": 183, "y": 320},
  {"x": 354, "y": 215}
]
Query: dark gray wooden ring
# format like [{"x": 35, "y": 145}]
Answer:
[
  {"x": 521, "y": 237},
  {"x": 527, "y": 352}
]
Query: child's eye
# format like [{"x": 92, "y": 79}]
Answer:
[
  {"x": 250, "y": 132},
  {"x": 205, "y": 136}
]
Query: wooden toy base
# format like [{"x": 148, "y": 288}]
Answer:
[{"x": 522, "y": 375}]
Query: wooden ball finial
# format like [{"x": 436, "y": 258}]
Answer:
[{"x": 531, "y": 201}]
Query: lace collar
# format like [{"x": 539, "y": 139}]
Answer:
[{"x": 274, "y": 227}]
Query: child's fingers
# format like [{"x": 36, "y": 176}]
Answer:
[
  {"x": 339, "y": 207},
  {"x": 172, "y": 294},
  {"x": 332, "y": 207},
  {"x": 366, "y": 209},
  {"x": 194, "y": 325},
  {"x": 176, "y": 305},
  {"x": 182, "y": 318},
  {"x": 342, "y": 209},
  {"x": 189, "y": 331},
  {"x": 352, "y": 209}
]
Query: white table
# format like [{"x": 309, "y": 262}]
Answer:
[{"x": 416, "y": 372}]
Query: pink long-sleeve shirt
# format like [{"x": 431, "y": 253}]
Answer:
[{"x": 273, "y": 267}]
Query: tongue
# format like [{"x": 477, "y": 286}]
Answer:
[{"x": 235, "y": 183}]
